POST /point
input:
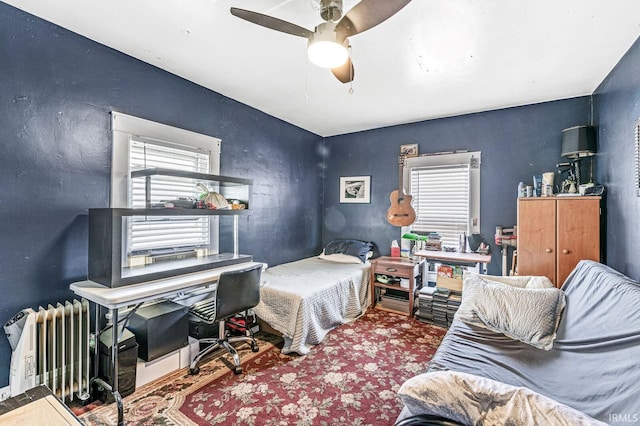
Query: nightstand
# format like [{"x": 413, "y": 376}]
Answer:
[{"x": 393, "y": 295}]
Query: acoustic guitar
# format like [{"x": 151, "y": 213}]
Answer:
[{"x": 401, "y": 212}]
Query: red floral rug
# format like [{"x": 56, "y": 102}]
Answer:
[{"x": 351, "y": 378}]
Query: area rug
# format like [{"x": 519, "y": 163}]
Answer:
[{"x": 351, "y": 378}]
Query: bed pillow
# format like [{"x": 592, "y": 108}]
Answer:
[
  {"x": 339, "y": 258},
  {"x": 528, "y": 315},
  {"x": 357, "y": 248},
  {"x": 522, "y": 281}
]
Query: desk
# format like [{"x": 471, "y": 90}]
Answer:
[
  {"x": 121, "y": 297},
  {"x": 456, "y": 258}
]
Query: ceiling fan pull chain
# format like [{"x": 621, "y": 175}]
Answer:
[
  {"x": 306, "y": 80},
  {"x": 350, "y": 74}
]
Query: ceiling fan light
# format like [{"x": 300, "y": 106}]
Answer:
[{"x": 327, "y": 54}]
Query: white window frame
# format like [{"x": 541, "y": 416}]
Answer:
[
  {"x": 451, "y": 159},
  {"x": 125, "y": 129},
  {"x": 125, "y": 126}
]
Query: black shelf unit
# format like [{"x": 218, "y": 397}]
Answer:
[
  {"x": 227, "y": 186},
  {"x": 107, "y": 227}
]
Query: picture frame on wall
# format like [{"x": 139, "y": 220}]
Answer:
[
  {"x": 355, "y": 189},
  {"x": 410, "y": 150}
]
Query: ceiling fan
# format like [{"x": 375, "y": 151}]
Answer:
[{"x": 328, "y": 44}]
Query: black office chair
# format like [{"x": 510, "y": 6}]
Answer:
[{"x": 237, "y": 292}]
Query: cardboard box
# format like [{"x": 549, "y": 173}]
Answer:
[{"x": 454, "y": 284}]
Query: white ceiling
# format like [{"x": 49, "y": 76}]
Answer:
[{"x": 435, "y": 58}]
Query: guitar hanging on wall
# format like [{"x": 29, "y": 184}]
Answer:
[{"x": 401, "y": 212}]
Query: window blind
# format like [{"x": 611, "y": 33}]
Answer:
[
  {"x": 157, "y": 234},
  {"x": 441, "y": 201}
]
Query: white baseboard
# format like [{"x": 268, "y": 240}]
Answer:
[{"x": 149, "y": 371}]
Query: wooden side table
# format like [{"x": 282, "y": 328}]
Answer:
[{"x": 397, "y": 267}]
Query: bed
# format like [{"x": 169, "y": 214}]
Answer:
[
  {"x": 584, "y": 369},
  {"x": 305, "y": 299}
]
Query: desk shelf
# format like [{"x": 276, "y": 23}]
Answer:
[
  {"x": 156, "y": 180},
  {"x": 108, "y": 263},
  {"x": 130, "y": 245}
]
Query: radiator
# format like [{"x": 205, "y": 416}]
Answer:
[{"x": 51, "y": 347}]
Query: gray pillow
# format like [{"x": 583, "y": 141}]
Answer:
[
  {"x": 530, "y": 315},
  {"x": 357, "y": 248}
]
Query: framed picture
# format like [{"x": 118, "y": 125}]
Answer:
[
  {"x": 409, "y": 150},
  {"x": 355, "y": 189}
]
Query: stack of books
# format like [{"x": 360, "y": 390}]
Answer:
[
  {"x": 425, "y": 304},
  {"x": 433, "y": 242}
]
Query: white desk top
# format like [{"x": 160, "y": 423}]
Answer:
[
  {"x": 120, "y": 297},
  {"x": 454, "y": 256}
]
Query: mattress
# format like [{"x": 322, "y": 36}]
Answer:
[
  {"x": 306, "y": 299},
  {"x": 594, "y": 366}
]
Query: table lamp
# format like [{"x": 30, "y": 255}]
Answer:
[{"x": 579, "y": 142}]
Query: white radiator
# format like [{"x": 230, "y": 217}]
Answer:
[{"x": 51, "y": 347}]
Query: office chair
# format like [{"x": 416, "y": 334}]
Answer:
[{"x": 237, "y": 292}]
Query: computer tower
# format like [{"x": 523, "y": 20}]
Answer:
[
  {"x": 160, "y": 328},
  {"x": 127, "y": 360}
]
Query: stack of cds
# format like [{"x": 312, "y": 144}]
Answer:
[
  {"x": 425, "y": 304},
  {"x": 440, "y": 298},
  {"x": 453, "y": 303}
]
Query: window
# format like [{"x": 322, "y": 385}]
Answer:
[
  {"x": 148, "y": 235},
  {"x": 445, "y": 190},
  {"x": 140, "y": 144}
]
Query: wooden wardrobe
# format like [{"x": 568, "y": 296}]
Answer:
[{"x": 555, "y": 233}]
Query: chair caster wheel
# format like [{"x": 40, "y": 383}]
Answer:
[
  {"x": 237, "y": 369},
  {"x": 254, "y": 348},
  {"x": 194, "y": 371}
]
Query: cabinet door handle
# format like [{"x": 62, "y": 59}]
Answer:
[
  {"x": 548, "y": 250},
  {"x": 565, "y": 251},
  {"x": 391, "y": 269}
]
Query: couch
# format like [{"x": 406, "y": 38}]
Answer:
[{"x": 572, "y": 358}]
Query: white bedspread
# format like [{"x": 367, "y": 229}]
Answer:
[
  {"x": 306, "y": 299},
  {"x": 474, "y": 400}
]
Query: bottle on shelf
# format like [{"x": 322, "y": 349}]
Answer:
[{"x": 395, "y": 249}]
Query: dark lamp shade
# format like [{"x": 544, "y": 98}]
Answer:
[{"x": 579, "y": 141}]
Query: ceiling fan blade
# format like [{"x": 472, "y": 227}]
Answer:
[
  {"x": 344, "y": 72},
  {"x": 367, "y": 14},
  {"x": 271, "y": 22}
]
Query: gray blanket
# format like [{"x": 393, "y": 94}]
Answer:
[
  {"x": 594, "y": 365},
  {"x": 306, "y": 299}
]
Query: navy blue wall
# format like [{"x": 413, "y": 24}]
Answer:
[
  {"x": 55, "y": 151},
  {"x": 515, "y": 143},
  {"x": 616, "y": 110},
  {"x": 57, "y": 90}
]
